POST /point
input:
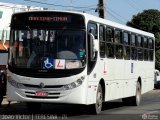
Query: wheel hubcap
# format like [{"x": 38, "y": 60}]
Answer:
[
  {"x": 99, "y": 101},
  {"x": 138, "y": 95}
]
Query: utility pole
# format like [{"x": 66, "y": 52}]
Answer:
[
  {"x": 102, "y": 8},
  {"x": 28, "y": 8}
]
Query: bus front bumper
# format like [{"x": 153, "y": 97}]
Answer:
[{"x": 73, "y": 96}]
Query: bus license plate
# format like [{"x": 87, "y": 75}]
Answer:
[{"x": 39, "y": 93}]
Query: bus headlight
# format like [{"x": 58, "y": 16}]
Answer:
[
  {"x": 14, "y": 83},
  {"x": 74, "y": 84}
]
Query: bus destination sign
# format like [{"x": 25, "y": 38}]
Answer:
[
  {"x": 43, "y": 19},
  {"x": 50, "y": 19}
]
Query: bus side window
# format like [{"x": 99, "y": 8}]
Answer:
[
  {"x": 133, "y": 47},
  {"x": 102, "y": 40},
  {"x": 126, "y": 41},
  {"x": 118, "y": 44},
  {"x": 95, "y": 29},
  {"x": 127, "y": 52},
  {"x": 109, "y": 34},
  {"x": 119, "y": 51},
  {"x": 110, "y": 42},
  {"x": 117, "y": 37},
  {"x": 151, "y": 49},
  {"x": 140, "y": 47},
  {"x": 140, "y": 54},
  {"x": 139, "y": 41},
  {"x": 146, "y": 51},
  {"x": 110, "y": 50}
]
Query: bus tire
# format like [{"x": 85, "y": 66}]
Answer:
[
  {"x": 1, "y": 99},
  {"x": 156, "y": 86},
  {"x": 33, "y": 107},
  {"x": 2, "y": 85},
  {"x": 97, "y": 107},
  {"x": 135, "y": 100}
]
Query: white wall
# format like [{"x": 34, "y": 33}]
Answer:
[{"x": 8, "y": 9}]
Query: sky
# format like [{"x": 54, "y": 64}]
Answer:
[{"x": 119, "y": 11}]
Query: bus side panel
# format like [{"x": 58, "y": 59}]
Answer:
[
  {"x": 93, "y": 80},
  {"x": 115, "y": 77},
  {"x": 147, "y": 72},
  {"x": 129, "y": 78}
]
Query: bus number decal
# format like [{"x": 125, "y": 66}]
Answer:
[
  {"x": 132, "y": 67},
  {"x": 104, "y": 71}
]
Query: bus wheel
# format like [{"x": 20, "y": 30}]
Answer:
[
  {"x": 33, "y": 107},
  {"x": 2, "y": 79},
  {"x": 1, "y": 99},
  {"x": 137, "y": 98},
  {"x": 2, "y": 85},
  {"x": 97, "y": 107},
  {"x": 99, "y": 99}
]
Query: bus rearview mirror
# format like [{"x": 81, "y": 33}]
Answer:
[
  {"x": 4, "y": 37},
  {"x": 91, "y": 47}
]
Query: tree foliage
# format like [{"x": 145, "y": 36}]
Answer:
[
  {"x": 149, "y": 20},
  {"x": 157, "y": 56}
]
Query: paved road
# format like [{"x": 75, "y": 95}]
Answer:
[{"x": 115, "y": 110}]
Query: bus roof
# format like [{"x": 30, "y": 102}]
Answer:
[
  {"x": 89, "y": 17},
  {"x": 117, "y": 25}
]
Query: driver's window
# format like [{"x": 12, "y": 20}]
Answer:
[{"x": 92, "y": 28}]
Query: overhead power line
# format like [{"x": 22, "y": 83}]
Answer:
[
  {"x": 115, "y": 17},
  {"x": 19, "y": 7},
  {"x": 109, "y": 9},
  {"x": 7, "y": 6},
  {"x": 132, "y": 4},
  {"x": 89, "y": 8},
  {"x": 57, "y": 5}
]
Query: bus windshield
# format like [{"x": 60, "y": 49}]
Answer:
[{"x": 47, "y": 48}]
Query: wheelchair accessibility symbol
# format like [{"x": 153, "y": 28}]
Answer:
[{"x": 48, "y": 63}]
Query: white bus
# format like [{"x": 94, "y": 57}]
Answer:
[{"x": 77, "y": 58}]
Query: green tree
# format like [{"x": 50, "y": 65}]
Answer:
[
  {"x": 157, "y": 59},
  {"x": 149, "y": 20}
]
